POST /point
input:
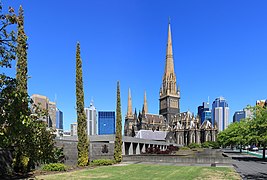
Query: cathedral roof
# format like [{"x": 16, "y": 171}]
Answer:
[
  {"x": 206, "y": 125},
  {"x": 154, "y": 118},
  {"x": 151, "y": 135}
]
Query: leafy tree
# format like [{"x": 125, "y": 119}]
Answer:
[
  {"x": 252, "y": 130},
  {"x": 83, "y": 142},
  {"x": 118, "y": 139},
  {"x": 258, "y": 127},
  {"x": 20, "y": 131},
  {"x": 236, "y": 134},
  {"x": 7, "y": 37}
]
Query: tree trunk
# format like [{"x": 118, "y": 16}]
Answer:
[{"x": 240, "y": 148}]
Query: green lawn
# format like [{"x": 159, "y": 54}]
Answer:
[{"x": 141, "y": 171}]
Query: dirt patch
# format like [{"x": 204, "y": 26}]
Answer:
[
  {"x": 40, "y": 172},
  {"x": 218, "y": 175}
]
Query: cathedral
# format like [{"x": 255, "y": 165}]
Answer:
[{"x": 182, "y": 127}]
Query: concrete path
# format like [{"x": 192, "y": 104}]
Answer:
[
  {"x": 250, "y": 169},
  {"x": 248, "y": 166}
]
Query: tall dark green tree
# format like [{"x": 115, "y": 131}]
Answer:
[
  {"x": 23, "y": 110},
  {"x": 21, "y": 131},
  {"x": 118, "y": 138},
  {"x": 22, "y": 68},
  {"x": 83, "y": 142}
]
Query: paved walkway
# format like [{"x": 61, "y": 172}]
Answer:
[{"x": 248, "y": 166}]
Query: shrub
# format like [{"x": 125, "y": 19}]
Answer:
[
  {"x": 193, "y": 145},
  {"x": 103, "y": 162},
  {"x": 184, "y": 148},
  {"x": 215, "y": 145},
  {"x": 210, "y": 144},
  {"x": 206, "y": 144},
  {"x": 54, "y": 167}
]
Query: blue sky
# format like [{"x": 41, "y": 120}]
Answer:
[{"x": 220, "y": 49}]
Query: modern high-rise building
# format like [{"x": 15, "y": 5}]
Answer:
[
  {"x": 242, "y": 114},
  {"x": 106, "y": 122},
  {"x": 204, "y": 112},
  {"x": 239, "y": 115},
  {"x": 59, "y": 119},
  {"x": 91, "y": 116},
  {"x": 220, "y": 113},
  {"x": 43, "y": 103},
  {"x": 73, "y": 129},
  {"x": 52, "y": 113}
]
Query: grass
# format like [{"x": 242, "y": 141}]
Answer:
[{"x": 141, "y": 171}]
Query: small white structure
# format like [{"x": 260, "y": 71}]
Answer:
[
  {"x": 151, "y": 135},
  {"x": 91, "y": 117}
]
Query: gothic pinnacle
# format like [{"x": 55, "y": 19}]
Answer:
[{"x": 129, "y": 107}]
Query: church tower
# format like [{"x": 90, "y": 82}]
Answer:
[{"x": 169, "y": 101}]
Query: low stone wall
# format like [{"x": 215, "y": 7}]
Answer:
[
  {"x": 70, "y": 151},
  {"x": 101, "y": 151},
  {"x": 97, "y": 150},
  {"x": 177, "y": 159}
]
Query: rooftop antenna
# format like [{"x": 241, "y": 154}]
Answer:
[
  {"x": 55, "y": 98},
  {"x": 92, "y": 101}
]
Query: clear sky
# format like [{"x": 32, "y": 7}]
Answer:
[{"x": 220, "y": 49}]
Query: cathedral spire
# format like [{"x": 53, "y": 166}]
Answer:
[
  {"x": 169, "y": 67},
  {"x": 129, "y": 107},
  {"x": 169, "y": 93},
  {"x": 169, "y": 77},
  {"x": 145, "y": 104}
]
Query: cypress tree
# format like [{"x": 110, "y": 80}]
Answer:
[
  {"x": 118, "y": 139},
  {"x": 22, "y": 121},
  {"x": 22, "y": 70},
  {"x": 83, "y": 142}
]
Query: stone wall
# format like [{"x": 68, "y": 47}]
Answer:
[
  {"x": 70, "y": 151},
  {"x": 101, "y": 150},
  {"x": 97, "y": 150},
  {"x": 177, "y": 159}
]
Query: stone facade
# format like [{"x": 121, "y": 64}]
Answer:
[
  {"x": 144, "y": 121},
  {"x": 183, "y": 128}
]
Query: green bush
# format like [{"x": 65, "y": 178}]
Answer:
[
  {"x": 103, "y": 162},
  {"x": 215, "y": 145},
  {"x": 194, "y": 145},
  {"x": 54, "y": 167},
  {"x": 206, "y": 144},
  {"x": 210, "y": 144},
  {"x": 184, "y": 148}
]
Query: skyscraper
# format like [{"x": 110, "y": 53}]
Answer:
[
  {"x": 91, "y": 116},
  {"x": 106, "y": 122},
  {"x": 239, "y": 115},
  {"x": 220, "y": 113},
  {"x": 59, "y": 119},
  {"x": 242, "y": 114},
  {"x": 52, "y": 111},
  {"x": 204, "y": 112},
  {"x": 43, "y": 103},
  {"x": 169, "y": 103}
]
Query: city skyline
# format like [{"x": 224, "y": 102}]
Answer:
[{"x": 219, "y": 50}]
